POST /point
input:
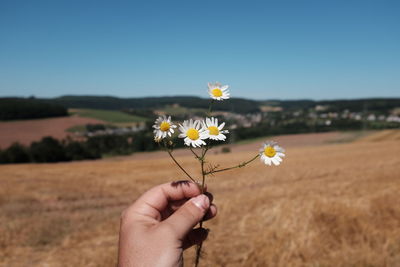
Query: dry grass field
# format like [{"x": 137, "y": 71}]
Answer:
[{"x": 326, "y": 205}]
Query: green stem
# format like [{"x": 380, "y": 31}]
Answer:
[
  {"x": 234, "y": 167},
  {"x": 210, "y": 108},
  {"x": 176, "y": 162},
  {"x": 194, "y": 153},
  {"x": 203, "y": 173}
]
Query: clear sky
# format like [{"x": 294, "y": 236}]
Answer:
[{"x": 263, "y": 49}]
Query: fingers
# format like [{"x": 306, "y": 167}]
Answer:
[
  {"x": 195, "y": 237},
  {"x": 154, "y": 202},
  {"x": 211, "y": 213},
  {"x": 175, "y": 205},
  {"x": 187, "y": 216}
]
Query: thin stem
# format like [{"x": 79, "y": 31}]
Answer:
[
  {"x": 234, "y": 167},
  {"x": 172, "y": 157},
  {"x": 210, "y": 107},
  {"x": 203, "y": 173},
  {"x": 194, "y": 153}
]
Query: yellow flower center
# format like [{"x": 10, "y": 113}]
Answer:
[
  {"x": 213, "y": 130},
  {"x": 192, "y": 134},
  {"x": 164, "y": 126},
  {"x": 216, "y": 92},
  {"x": 269, "y": 151}
]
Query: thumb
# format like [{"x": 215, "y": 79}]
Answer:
[{"x": 187, "y": 216}]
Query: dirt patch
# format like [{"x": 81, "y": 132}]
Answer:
[
  {"x": 27, "y": 131},
  {"x": 384, "y": 135},
  {"x": 297, "y": 140}
]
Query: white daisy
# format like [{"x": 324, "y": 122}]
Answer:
[
  {"x": 193, "y": 133},
  {"x": 214, "y": 131},
  {"x": 271, "y": 153},
  {"x": 163, "y": 127},
  {"x": 218, "y": 91}
]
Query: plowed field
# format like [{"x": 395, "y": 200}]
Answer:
[{"x": 27, "y": 131}]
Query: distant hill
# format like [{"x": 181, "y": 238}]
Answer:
[
  {"x": 237, "y": 105},
  {"x": 353, "y": 105},
  {"x": 381, "y": 105},
  {"x": 25, "y": 108}
]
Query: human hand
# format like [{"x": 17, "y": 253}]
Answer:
[{"x": 158, "y": 226}]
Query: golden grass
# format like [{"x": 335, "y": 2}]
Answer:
[{"x": 329, "y": 205}]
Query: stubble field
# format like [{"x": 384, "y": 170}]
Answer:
[{"x": 326, "y": 205}]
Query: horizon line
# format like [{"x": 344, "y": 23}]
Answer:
[{"x": 172, "y": 96}]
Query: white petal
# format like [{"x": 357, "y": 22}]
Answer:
[
  {"x": 203, "y": 135},
  {"x": 194, "y": 144},
  {"x": 267, "y": 161},
  {"x": 275, "y": 161},
  {"x": 187, "y": 141}
]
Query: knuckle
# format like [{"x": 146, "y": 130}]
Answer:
[
  {"x": 124, "y": 214},
  {"x": 192, "y": 212}
]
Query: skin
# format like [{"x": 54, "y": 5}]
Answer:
[{"x": 158, "y": 227}]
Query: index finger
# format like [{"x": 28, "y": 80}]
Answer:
[{"x": 152, "y": 203}]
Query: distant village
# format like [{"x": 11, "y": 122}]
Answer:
[{"x": 267, "y": 116}]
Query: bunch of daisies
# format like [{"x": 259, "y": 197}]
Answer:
[{"x": 196, "y": 132}]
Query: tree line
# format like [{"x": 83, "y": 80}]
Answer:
[
  {"x": 49, "y": 149},
  {"x": 29, "y": 108}
]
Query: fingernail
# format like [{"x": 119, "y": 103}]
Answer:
[{"x": 201, "y": 201}]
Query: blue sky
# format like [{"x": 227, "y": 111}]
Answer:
[{"x": 262, "y": 49}]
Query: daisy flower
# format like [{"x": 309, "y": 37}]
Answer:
[
  {"x": 214, "y": 131},
  {"x": 193, "y": 133},
  {"x": 271, "y": 153},
  {"x": 218, "y": 91},
  {"x": 163, "y": 127}
]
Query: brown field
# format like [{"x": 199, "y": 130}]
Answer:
[
  {"x": 327, "y": 205},
  {"x": 27, "y": 131}
]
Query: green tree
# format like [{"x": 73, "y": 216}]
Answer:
[
  {"x": 16, "y": 153},
  {"x": 79, "y": 151},
  {"x": 48, "y": 150}
]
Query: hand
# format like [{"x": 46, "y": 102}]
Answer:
[{"x": 159, "y": 225}]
